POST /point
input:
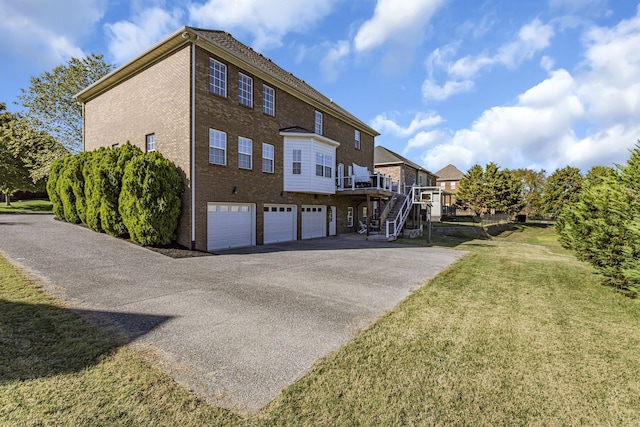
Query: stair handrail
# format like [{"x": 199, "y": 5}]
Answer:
[{"x": 403, "y": 213}]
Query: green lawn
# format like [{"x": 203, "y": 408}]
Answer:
[
  {"x": 513, "y": 334},
  {"x": 26, "y": 206}
]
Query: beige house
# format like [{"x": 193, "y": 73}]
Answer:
[{"x": 264, "y": 157}]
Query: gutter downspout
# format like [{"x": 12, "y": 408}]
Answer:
[{"x": 193, "y": 143}]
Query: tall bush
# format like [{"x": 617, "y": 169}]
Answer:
[
  {"x": 94, "y": 179},
  {"x": 64, "y": 187},
  {"x": 52, "y": 183},
  {"x": 601, "y": 226},
  {"x": 150, "y": 199},
  {"x": 111, "y": 171}
]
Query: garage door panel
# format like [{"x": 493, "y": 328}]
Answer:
[
  {"x": 230, "y": 226},
  {"x": 279, "y": 223},
  {"x": 314, "y": 222}
]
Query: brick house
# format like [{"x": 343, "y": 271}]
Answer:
[
  {"x": 449, "y": 181},
  {"x": 263, "y": 156}
]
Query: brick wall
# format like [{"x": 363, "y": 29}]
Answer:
[{"x": 155, "y": 100}]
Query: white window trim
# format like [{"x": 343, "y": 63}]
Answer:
[
  {"x": 245, "y": 95},
  {"x": 319, "y": 164},
  {"x": 150, "y": 142},
  {"x": 295, "y": 162},
  {"x": 268, "y": 100},
  {"x": 356, "y": 136},
  {"x": 220, "y": 90},
  {"x": 318, "y": 122},
  {"x": 222, "y": 147},
  {"x": 266, "y": 157},
  {"x": 243, "y": 151}
]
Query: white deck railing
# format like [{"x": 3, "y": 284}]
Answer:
[{"x": 371, "y": 182}]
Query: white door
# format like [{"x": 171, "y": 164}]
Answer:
[
  {"x": 230, "y": 225},
  {"x": 279, "y": 223},
  {"x": 332, "y": 221},
  {"x": 314, "y": 222}
]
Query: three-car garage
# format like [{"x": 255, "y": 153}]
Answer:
[{"x": 233, "y": 225}]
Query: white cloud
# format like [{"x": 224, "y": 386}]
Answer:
[
  {"x": 432, "y": 91},
  {"x": 424, "y": 139},
  {"x": 48, "y": 32},
  {"x": 532, "y": 38},
  {"x": 385, "y": 124},
  {"x": 394, "y": 19},
  {"x": 129, "y": 38},
  {"x": 586, "y": 119},
  {"x": 334, "y": 59},
  {"x": 267, "y": 21}
]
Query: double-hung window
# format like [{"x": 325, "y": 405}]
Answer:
[
  {"x": 217, "y": 77},
  {"x": 217, "y": 147},
  {"x": 267, "y": 158},
  {"x": 297, "y": 162},
  {"x": 244, "y": 153},
  {"x": 319, "y": 164},
  {"x": 150, "y": 142},
  {"x": 357, "y": 139},
  {"x": 324, "y": 165},
  {"x": 268, "y": 100},
  {"x": 245, "y": 90},
  {"x": 318, "y": 123},
  {"x": 328, "y": 166}
]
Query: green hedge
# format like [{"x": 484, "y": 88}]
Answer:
[
  {"x": 89, "y": 188},
  {"x": 150, "y": 199},
  {"x": 602, "y": 226}
]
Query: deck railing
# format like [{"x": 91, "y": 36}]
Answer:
[{"x": 371, "y": 182}]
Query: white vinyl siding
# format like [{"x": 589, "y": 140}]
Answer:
[
  {"x": 217, "y": 77},
  {"x": 305, "y": 150},
  {"x": 245, "y": 157},
  {"x": 217, "y": 147}
]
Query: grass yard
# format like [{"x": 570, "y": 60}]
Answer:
[
  {"x": 513, "y": 334},
  {"x": 26, "y": 206}
]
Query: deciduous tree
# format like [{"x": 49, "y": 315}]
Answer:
[{"x": 49, "y": 101}]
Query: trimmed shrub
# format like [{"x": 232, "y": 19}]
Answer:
[
  {"x": 111, "y": 185},
  {"x": 65, "y": 191},
  {"x": 94, "y": 178},
  {"x": 52, "y": 183},
  {"x": 78, "y": 184},
  {"x": 150, "y": 199}
]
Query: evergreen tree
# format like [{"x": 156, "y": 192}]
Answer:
[
  {"x": 563, "y": 188},
  {"x": 471, "y": 193}
]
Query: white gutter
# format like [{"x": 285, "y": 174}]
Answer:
[{"x": 193, "y": 143}]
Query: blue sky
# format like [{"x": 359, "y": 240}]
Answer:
[{"x": 535, "y": 83}]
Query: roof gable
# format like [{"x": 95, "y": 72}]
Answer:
[
  {"x": 450, "y": 173},
  {"x": 383, "y": 156}
]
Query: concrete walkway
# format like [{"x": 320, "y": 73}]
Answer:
[{"x": 237, "y": 327}]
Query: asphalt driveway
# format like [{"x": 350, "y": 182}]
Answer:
[{"x": 237, "y": 327}]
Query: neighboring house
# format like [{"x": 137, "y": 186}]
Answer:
[
  {"x": 449, "y": 181},
  {"x": 263, "y": 156},
  {"x": 407, "y": 173},
  {"x": 401, "y": 169}
]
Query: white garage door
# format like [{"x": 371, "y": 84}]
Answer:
[
  {"x": 314, "y": 221},
  {"x": 230, "y": 225},
  {"x": 279, "y": 223}
]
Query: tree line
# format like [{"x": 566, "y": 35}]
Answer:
[{"x": 491, "y": 189}]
